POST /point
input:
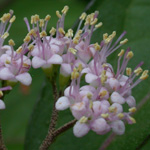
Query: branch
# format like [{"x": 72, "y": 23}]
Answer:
[
  {"x": 47, "y": 141},
  {"x": 2, "y": 145}
]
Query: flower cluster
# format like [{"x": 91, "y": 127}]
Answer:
[
  {"x": 98, "y": 105},
  {"x": 14, "y": 65}
]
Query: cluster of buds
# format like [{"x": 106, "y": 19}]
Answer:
[{"x": 98, "y": 105}]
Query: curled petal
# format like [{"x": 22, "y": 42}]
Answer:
[
  {"x": 117, "y": 98},
  {"x": 2, "y": 104},
  {"x": 131, "y": 101},
  {"x": 80, "y": 129},
  {"x": 62, "y": 103},
  {"x": 65, "y": 69},
  {"x": 38, "y": 62},
  {"x": 118, "y": 127},
  {"x": 5, "y": 74},
  {"x": 24, "y": 78},
  {"x": 99, "y": 125},
  {"x": 55, "y": 59}
]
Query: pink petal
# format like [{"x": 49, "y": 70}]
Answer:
[
  {"x": 24, "y": 78},
  {"x": 55, "y": 59},
  {"x": 62, "y": 103},
  {"x": 2, "y": 104},
  {"x": 80, "y": 129},
  {"x": 118, "y": 127},
  {"x": 38, "y": 62},
  {"x": 65, "y": 69},
  {"x": 5, "y": 74},
  {"x": 117, "y": 98}
]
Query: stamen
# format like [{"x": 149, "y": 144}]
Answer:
[
  {"x": 128, "y": 71},
  {"x": 130, "y": 55},
  {"x": 121, "y": 53},
  {"x": 47, "y": 18},
  {"x": 11, "y": 42},
  {"x": 120, "y": 115},
  {"x": 97, "y": 46},
  {"x": 61, "y": 30},
  {"x": 58, "y": 14},
  {"x": 132, "y": 110},
  {"x": 144, "y": 75},
  {"x": 5, "y": 35},
  {"x": 83, "y": 16},
  {"x": 105, "y": 115},
  {"x": 27, "y": 39},
  {"x": 65, "y": 10},
  {"x": 138, "y": 71},
  {"x": 73, "y": 51},
  {"x": 124, "y": 41},
  {"x": 52, "y": 31},
  {"x": 12, "y": 19},
  {"x": 83, "y": 119}
]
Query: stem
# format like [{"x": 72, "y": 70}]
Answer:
[
  {"x": 2, "y": 145},
  {"x": 47, "y": 141}
]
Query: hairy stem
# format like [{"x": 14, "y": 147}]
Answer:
[
  {"x": 47, "y": 141},
  {"x": 2, "y": 145}
]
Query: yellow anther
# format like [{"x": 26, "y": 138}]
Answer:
[
  {"x": 75, "y": 70},
  {"x": 32, "y": 33},
  {"x": 112, "y": 109},
  {"x": 105, "y": 36},
  {"x": 19, "y": 50},
  {"x": 7, "y": 61},
  {"x": 132, "y": 110},
  {"x": 103, "y": 93},
  {"x": 94, "y": 22},
  {"x": 103, "y": 77},
  {"x": 144, "y": 75},
  {"x": 80, "y": 67},
  {"x": 97, "y": 46},
  {"x": 73, "y": 51},
  {"x": 89, "y": 95},
  {"x": 130, "y": 55},
  {"x": 70, "y": 33},
  {"x": 121, "y": 53},
  {"x": 41, "y": 22},
  {"x": 83, "y": 119},
  {"x": 124, "y": 41},
  {"x": 105, "y": 115},
  {"x": 128, "y": 71},
  {"x": 65, "y": 9},
  {"x": 120, "y": 115},
  {"x": 138, "y": 71},
  {"x": 91, "y": 104},
  {"x": 75, "y": 41},
  {"x": 5, "y": 35},
  {"x": 32, "y": 19},
  {"x": 132, "y": 120},
  {"x": 104, "y": 65},
  {"x": 113, "y": 34},
  {"x": 31, "y": 47},
  {"x": 12, "y": 19},
  {"x": 11, "y": 42},
  {"x": 88, "y": 20},
  {"x": 61, "y": 30},
  {"x": 27, "y": 39},
  {"x": 36, "y": 18},
  {"x": 47, "y": 18},
  {"x": 1, "y": 94},
  {"x": 52, "y": 31},
  {"x": 25, "y": 65},
  {"x": 83, "y": 16},
  {"x": 58, "y": 14},
  {"x": 98, "y": 25},
  {"x": 5, "y": 17},
  {"x": 43, "y": 34}
]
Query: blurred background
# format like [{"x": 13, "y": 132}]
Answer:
[{"x": 130, "y": 15}]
